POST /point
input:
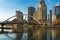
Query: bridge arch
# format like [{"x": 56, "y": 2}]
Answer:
[{"x": 26, "y": 15}]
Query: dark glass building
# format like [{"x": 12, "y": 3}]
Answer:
[
  {"x": 57, "y": 11},
  {"x": 31, "y": 11}
]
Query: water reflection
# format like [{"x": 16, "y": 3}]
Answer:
[
  {"x": 52, "y": 34},
  {"x": 12, "y": 36},
  {"x": 25, "y": 36},
  {"x": 7, "y": 36}
]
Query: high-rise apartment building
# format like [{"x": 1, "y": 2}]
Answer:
[
  {"x": 50, "y": 17},
  {"x": 31, "y": 11},
  {"x": 41, "y": 14},
  {"x": 56, "y": 11},
  {"x": 56, "y": 14}
]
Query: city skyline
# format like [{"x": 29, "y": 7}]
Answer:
[{"x": 9, "y": 7}]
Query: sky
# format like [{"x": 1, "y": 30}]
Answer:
[{"x": 8, "y": 7}]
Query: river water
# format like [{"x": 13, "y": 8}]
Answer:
[{"x": 12, "y": 36}]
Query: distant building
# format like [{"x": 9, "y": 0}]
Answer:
[
  {"x": 19, "y": 15},
  {"x": 31, "y": 11},
  {"x": 50, "y": 17},
  {"x": 56, "y": 11},
  {"x": 41, "y": 13}
]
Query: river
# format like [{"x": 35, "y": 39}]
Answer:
[{"x": 12, "y": 36}]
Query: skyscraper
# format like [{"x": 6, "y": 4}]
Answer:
[
  {"x": 31, "y": 11},
  {"x": 57, "y": 10},
  {"x": 50, "y": 17},
  {"x": 42, "y": 11}
]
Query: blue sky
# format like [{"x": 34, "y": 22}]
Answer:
[{"x": 8, "y": 7}]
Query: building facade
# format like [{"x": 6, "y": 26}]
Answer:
[
  {"x": 42, "y": 11},
  {"x": 19, "y": 15},
  {"x": 50, "y": 17},
  {"x": 57, "y": 11},
  {"x": 31, "y": 11}
]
